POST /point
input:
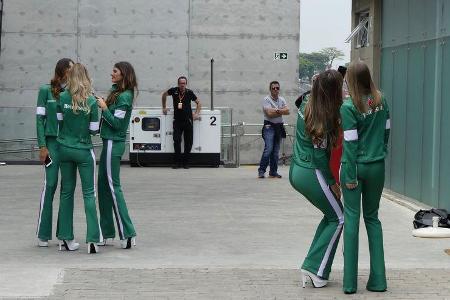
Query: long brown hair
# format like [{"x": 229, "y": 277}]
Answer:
[
  {"x": 360, "y": 84},
  {"x": 128, "y": 82},
  {"x": 60, "y": 76},
  {"x": 322, "y": 117},
  {"x": 79, "y": 85}
]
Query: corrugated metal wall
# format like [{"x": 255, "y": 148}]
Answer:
[{"x": 415, "y": 77}]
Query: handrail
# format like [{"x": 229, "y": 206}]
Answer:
[
  {"x": 235, "y": 133},
  {"x": 227, "y": 135},
  {"x": 32, "y": 139},
  {"x": 36, "y": 148},
  {"x": 5, "y": 141}
]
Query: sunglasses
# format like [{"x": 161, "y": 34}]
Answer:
[{"x": 276, "y": 88}]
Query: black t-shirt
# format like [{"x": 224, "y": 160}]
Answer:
[{"x": 186, "y": 112}]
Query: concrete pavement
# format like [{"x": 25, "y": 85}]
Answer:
[{"x": 202, "y": 234}]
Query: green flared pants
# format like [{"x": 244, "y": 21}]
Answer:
[
  {"x": 311, "y": 184},
  {"x": 45, "y": 218},
  {"x": 83, "y": 160},
  {"x": 110, "y": 195},
  {"x": 368, "y": 192}
]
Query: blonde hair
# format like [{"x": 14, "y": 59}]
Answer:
[
  {"x": 360, "y": 84},
  {"x": 80, "y": 86}
]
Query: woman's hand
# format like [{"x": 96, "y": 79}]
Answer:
[
  {"x": 351, "y": 186},
  {"x": 336, "y": 189},
  {"x": 43, "y": 153},
  {"x": 101, "y": 103}
]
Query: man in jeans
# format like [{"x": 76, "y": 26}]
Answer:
[{"x": 274, "y": 108}]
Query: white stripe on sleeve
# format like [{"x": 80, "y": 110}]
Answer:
[
  {"x": 40, "y": 111},
  {"x": 93, "y": 126},
  {"x": 388, "y": 124},
  {"x": 59, "y": 116},
  {"x": 351, "y": 135},
  {"x": 119, "y": 113}
]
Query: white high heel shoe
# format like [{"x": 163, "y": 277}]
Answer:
[
  {"x": 316, "y": 281},
  {"x": 42, "y": 243},
  {"x": 69, "y": 245},
  {"x": 92, "y": 248},
  {"x": 127, "y": 243}
]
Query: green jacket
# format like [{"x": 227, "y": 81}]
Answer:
[
  {"x": 46, "y": 121},
  {"x": 366, "y": 136},
  {"x": 308, "y": 155},
  {"x": 116, "y": 118},
  {"x": 76, "y": 128}
]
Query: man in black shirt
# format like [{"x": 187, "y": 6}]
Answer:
[{"x": 182, "y": 119}]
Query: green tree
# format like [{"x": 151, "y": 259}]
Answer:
[
  {"x": 306, "y": 67},
  {"x": 311, "y": 63},
  {"x": 331, "y": 53}
]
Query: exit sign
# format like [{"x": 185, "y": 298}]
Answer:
[{"x": 280, "y": 55}]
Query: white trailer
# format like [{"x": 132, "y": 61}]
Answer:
[{"x": 151, "y": 138}]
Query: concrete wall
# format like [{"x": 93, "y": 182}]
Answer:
[
  {"x": 163, "y": 40},
  {"x": 370, "y": 54}
]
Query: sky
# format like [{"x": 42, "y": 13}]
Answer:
[{"x": 325, "y": 23}]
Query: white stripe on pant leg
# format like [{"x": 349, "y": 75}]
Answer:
[
  {"x": 95, "y": 192},
  {"x": 337, "y": 209},
  {"x": 111, "y": 187},
  {"x": 93, "y": 158},
  {"x": 41, "y": 206}
]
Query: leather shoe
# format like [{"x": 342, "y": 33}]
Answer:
[{"x": 275, "y": 176}]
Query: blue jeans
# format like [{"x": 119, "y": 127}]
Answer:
[{"x": 271, "y": 149}]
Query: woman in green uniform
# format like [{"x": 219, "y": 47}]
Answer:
[
  {"x": 366, "y": 126},
  {"x": 78, "y": 113},
  {"x": 47, "y": 131},
  {"x": 318, "y": 126},
  {"x": 116, "y": 112}
]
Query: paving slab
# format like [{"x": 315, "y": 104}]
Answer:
[{"x": 222, "y": 220}]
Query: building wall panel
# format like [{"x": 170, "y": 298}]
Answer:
[
  {"x": 415, "y": 72},
  {"x": 444, "y": 164},
  {"x": 428, "y": 115},
  {"x": 414, "y": 120}
]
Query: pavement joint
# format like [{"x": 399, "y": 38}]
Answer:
[{"x": 222, "y": 234}]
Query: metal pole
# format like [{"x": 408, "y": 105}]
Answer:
[
  {"x": 231, "y": 134},
  {"x": 1, "y": 21},
  {"x": 212, "y": 84}
]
